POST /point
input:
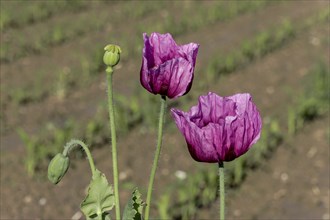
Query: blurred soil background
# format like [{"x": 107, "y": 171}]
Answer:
[{"x": 53, "y": 88}]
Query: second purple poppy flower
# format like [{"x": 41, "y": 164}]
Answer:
[
  {"x": 220, "y": 128},
  {"x": 167, "y": 68}
]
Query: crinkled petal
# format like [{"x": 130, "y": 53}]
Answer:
[
  {"x": 147, "y": 62},
  {"x": 144, "y": 75},
  {"x": 248, "y": 124},
  {"x": 189, "y": 52},
  {"x": 163, "y": 47},
  {"x": 167, "y": 69},
  {"x": 220, "y": 129},
  {"x": 213, "y": 108},
  {"x": 199, "y": 145},
  {"x": 147, "y": 52},
  {"x": 172, "y": 78}
]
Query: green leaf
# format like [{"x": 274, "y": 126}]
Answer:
[
  {"x": 99, "y": 199},
  {"x": 134, "y": 207}
]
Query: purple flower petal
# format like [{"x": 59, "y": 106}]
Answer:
[
  {"x": 194, "y": 136},
  {"x": 219, "y": 129},
  {"x": 163, "y": 47},
  {"x": 189, "y": 52},
  {"x": 167, "y": 69},
  {"x": 171, "y": 77}
]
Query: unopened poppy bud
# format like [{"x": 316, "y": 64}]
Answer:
[
  {"x": 57, "y": 168},
  {"x": 112, "y": 55}
]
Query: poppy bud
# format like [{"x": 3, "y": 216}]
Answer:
[
  {"x": 57, "y": 168},
  {"x": 112, "y": 55}
]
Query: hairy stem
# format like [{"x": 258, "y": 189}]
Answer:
[
  {"x": 222, "y": 190},
  {"x": 157, "y": 153},
  {"x": 76, "y": 143},
  {"x": 109, "y": 71}
]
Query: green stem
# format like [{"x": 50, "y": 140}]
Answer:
[
  {"x": 158, "y": 148},
  {"x": 109, "y": 71},
  {"x": 75, "y": 143},
  {"x": 222, "y": 190}
]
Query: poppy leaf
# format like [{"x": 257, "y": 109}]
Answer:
[{"x": 100, "y": 198}]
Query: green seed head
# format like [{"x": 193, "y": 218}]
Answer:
[
  {"x": 112, "y": 55},
  {"x": 57, "y": 168}
]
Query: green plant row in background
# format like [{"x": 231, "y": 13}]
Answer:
[
  {"x": 95, "y": 133},
  {"x": 264, "y": 43},
  {"x": 19, "y": 46},
  {"x": 182, "y": 199},
  {"x": 189, "y": 22},
  {"x": 20, "y": 13}
]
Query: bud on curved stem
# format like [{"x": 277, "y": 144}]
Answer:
[
  {"x": 58, "y": 167},
  {"x": 60, "y": 163}
]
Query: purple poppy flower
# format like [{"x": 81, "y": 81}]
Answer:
[
  {"x": 219, "y": 129},
  {"x": 167, "y": 68}
]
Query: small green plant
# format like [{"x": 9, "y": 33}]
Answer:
[
  {"x": 314, "y": 102},
  {"x": 63, "y": 83},
  {"x": 85, "y": 70},
  {"x": 128, "y": 113},
  {"x": 57, "y": 36},
  {"x": 93, "y": 133},
  {"x": 163, "y": 205},
  {"x": 292, "y": 122},
  {"x": 31, "y": 145},
  {"x": 25, "y": 95}
]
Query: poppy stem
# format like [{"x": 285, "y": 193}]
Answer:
[
  {"x": 156, "y": 158},
  {"x": 109, "y": 71},
  {"x": 222, "y": 190},
  {"x": 76, "y": 143}
]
